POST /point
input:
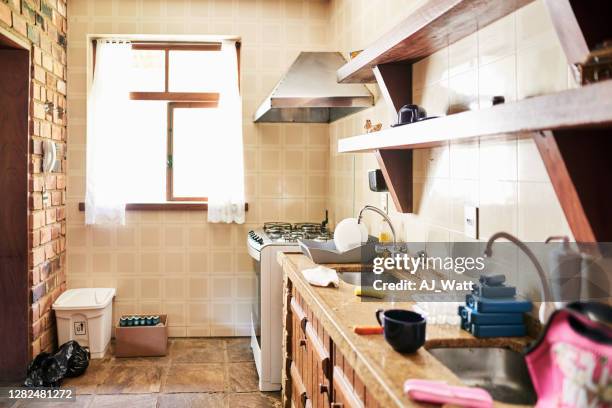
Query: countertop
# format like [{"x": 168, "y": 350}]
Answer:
[{"x": 382, "y": 369}]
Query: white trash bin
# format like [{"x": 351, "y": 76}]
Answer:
[{"x": 85, "y": 315}]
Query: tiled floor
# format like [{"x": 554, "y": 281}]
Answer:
[{"x": 203, "y": 372}]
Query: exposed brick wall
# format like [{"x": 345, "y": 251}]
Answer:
[{"x": 43, "y": 23}]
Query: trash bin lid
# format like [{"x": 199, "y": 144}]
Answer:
[{"x": 84, "y": 298}]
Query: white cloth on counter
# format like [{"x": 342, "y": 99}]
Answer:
[{"x": 321, "y": 276}]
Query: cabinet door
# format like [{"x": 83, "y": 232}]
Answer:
[
  {"x": 298, "y": 344},
  {"x": 344, "y": 394},
  {"x": 299, "y": 397},
  {"x": 319, "y": 364}
]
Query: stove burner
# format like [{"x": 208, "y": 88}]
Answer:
[
  {"x": 284, "y": 231},
  {"x": 275, "y": 227}
]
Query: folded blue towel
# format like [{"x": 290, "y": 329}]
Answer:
[
  {"x": 492, "y": 280},
  {"x": 501, "y": 305},
  {"x": 513, "y": 330},
  {"x": 501, "y": 291},
  {"x": 472, "y": 316}
]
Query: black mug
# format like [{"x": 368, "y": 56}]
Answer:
[
  {"x": 410, "y": 114},
  {"x": 404, "y": 330}
]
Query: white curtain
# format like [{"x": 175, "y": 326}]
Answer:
[
  {"x": 108, "y": 127},
  {"x": 226, "y": 172}
]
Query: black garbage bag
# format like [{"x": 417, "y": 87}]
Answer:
[
  {"x": 77, "y": 356},
  {"x": 48, "y": 370}
]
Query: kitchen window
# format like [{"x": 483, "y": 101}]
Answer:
[{"x": 174, "y": 96}]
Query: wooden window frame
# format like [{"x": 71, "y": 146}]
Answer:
[
  {"x": 170, "y": 148},
  {"x": 174, "y": 99},
  {"x": 167, "y": 95}
]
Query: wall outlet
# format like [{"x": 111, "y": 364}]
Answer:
[
  {"x": 384, "y": 202},
  {"x": 470, "y": 221}
]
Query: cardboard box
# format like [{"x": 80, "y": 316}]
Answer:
[{"x": 142, "y": 341}]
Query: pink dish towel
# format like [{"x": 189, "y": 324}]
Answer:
[{"x": 439, "y": 392}]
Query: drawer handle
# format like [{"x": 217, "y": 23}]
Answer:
[
  {"x": 337, "y": 405},
  {"x": 303, "y": 342},
  {"x": 299, "y": 313},
  {"x": 323, "y": 389}
]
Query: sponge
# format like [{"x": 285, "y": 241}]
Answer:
[{"x": 368, "y": 292}]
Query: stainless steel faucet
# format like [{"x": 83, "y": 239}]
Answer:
[
  {"x": 382, "y": 214},
  {"x": 546, "y": 295}
]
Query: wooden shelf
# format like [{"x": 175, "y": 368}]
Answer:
[
  {"x": 589, "y": 106},
  {"x": 572, "y": 131},
  {"x": 428, "y": 29}
]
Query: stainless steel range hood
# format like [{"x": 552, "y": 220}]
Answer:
[{"x": 309, "y": 92}]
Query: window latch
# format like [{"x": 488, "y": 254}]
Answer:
[{"x": 169, "y": 162}]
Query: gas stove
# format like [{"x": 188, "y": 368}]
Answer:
[
  {"x": 263, "y": 244},
  {"x": 284, "y": 233}
]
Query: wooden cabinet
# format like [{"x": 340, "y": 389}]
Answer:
[{"x": 317, "y": 374}]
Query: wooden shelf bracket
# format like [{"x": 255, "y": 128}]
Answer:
[
  {"x": 396, "y": 167},
  {"x": 395, "y": 83},
  {"x": 580, "y": 25},
  {"x": 578, "y": 164}
]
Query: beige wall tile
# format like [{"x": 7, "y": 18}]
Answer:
[
  {"x": 126, "y": 263},
  {"x": 198, "y": 288},
  {"x": 497, "y": 40},
  {"x": 498, "y": 158},
  {"x": 174, "y": 236},
  {"x": 529, "y": 62},
  {"x": 176, "y": 314},
  {"x": 497, "y": 78},
  {"x": 150, "y": 288},
  {"x": 463, "y": 55},
  {"x": 463, "y": 91},
  {"x": 498, "y": 207},
  {"x": 174, "y": 288},
  {"x": 539, "y": 213},
  {"x": 530, "y": 165},
  {"x": 198, "y": 262}
]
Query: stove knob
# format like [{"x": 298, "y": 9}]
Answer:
[{"x": 260, "y": 240}]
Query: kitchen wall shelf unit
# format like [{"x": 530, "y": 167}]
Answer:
[
  {"x": 572, "y": 129},
  {"x": 573, "y": 132},
  {"x": 433, "y": 26}
]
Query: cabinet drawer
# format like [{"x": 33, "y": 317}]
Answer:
[
  {"x": 344, "y": 394},
  {"x": 299, "y": 396}
]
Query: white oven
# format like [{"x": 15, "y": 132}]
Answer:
[
  {"x": 267, "y": 309},
  {"x": 267, "y": 312}
]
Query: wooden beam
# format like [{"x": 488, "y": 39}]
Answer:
[
  {"x": 395, "y": 83},
  {"x": 176, "y": 206},
  {"x": 170, "y": 46},
  {"x": 579, "y": 166},
  {"x": 581, "y": 25},
  {"x": 396, "y": 167}
]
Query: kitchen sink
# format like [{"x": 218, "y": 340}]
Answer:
[
  {"x": 365, "y": 279},
  {"x": 500, "y": 371}
]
